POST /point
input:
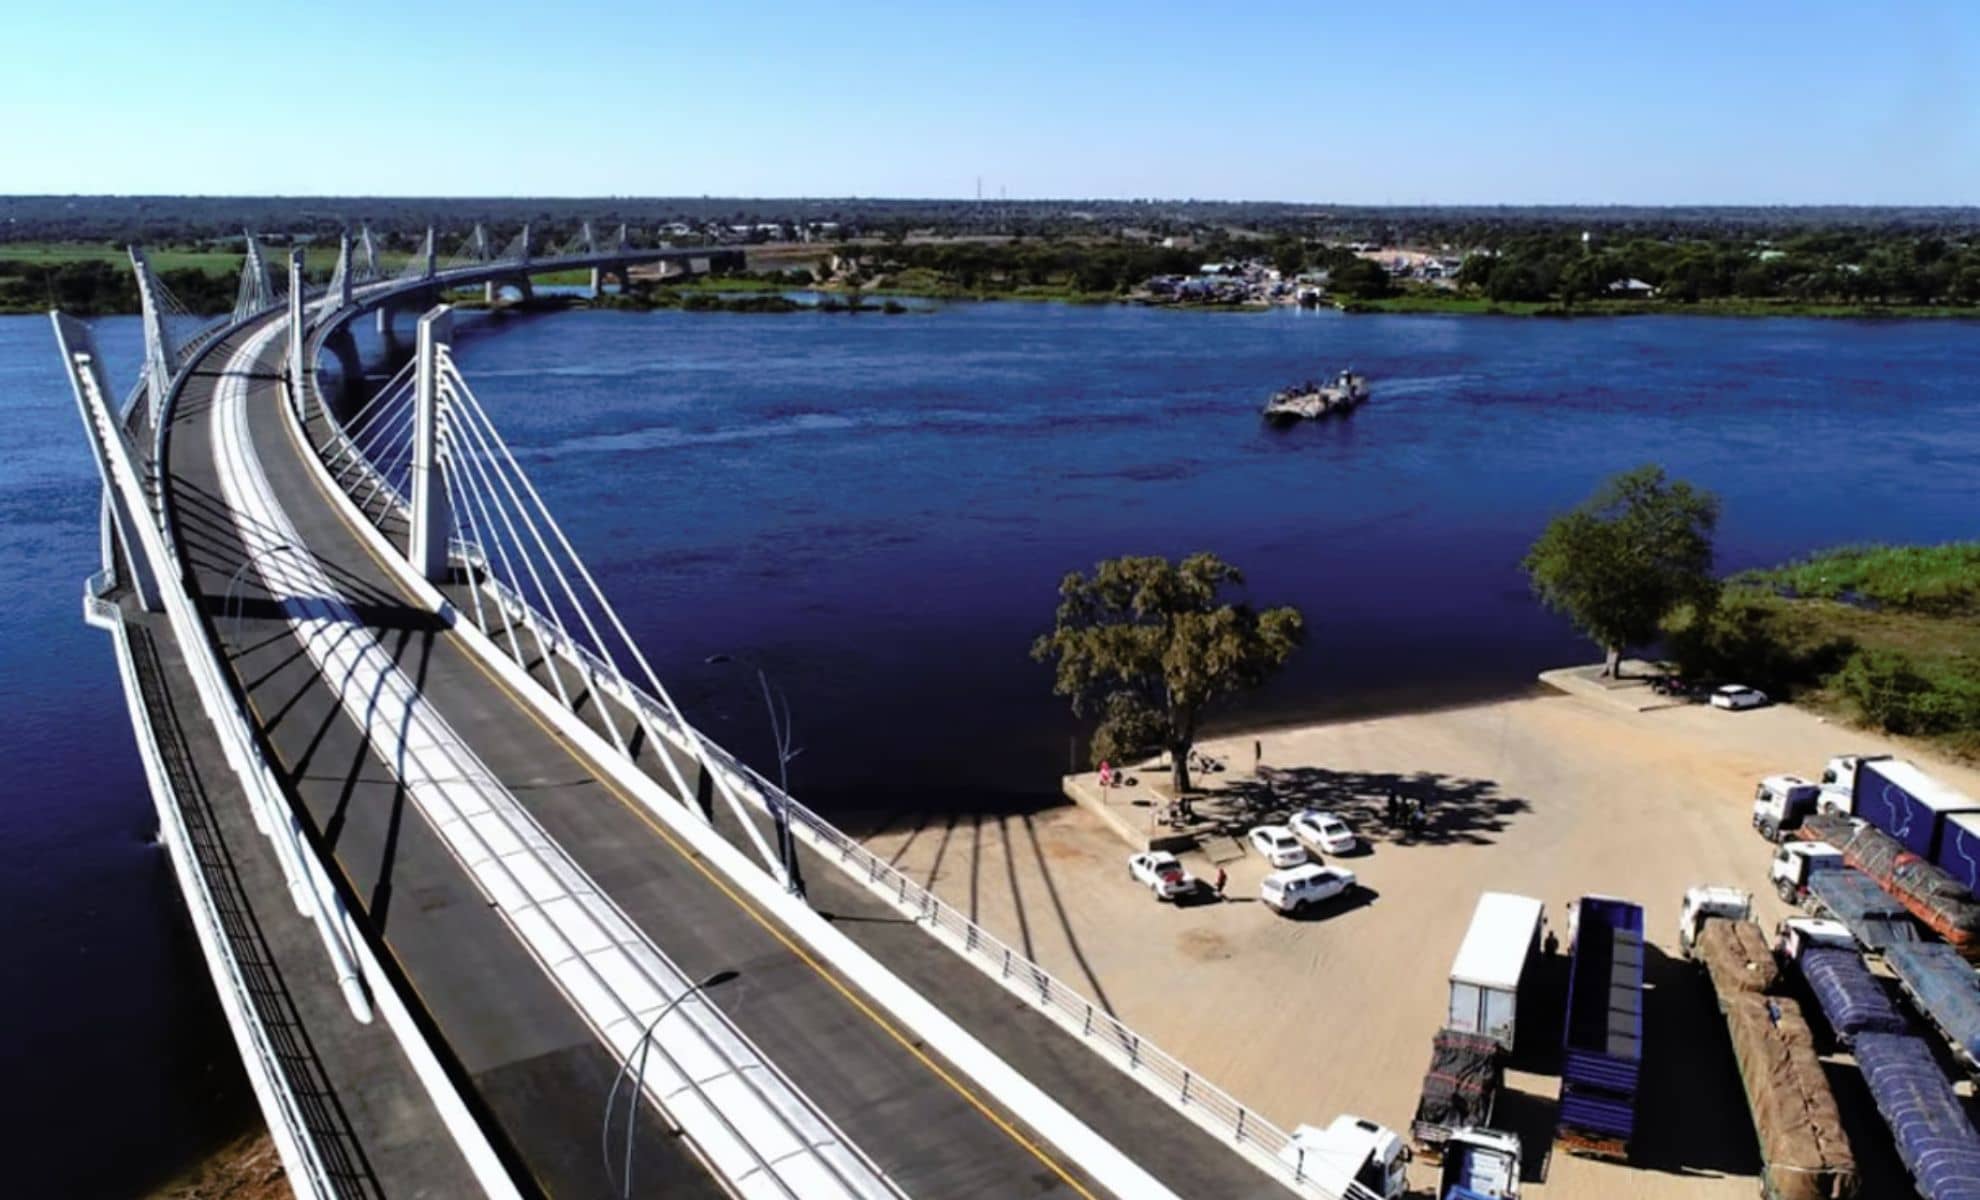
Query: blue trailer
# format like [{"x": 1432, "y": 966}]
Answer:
[
  {"x": 1934, "y": 1139},
  {"x": 1905, "y": 802},
  {"x": 1878, "y": 919},
  {"x": 1959, "y": 850},
  {"x": 1602, "y": 1045},
  {"x": 1850, "y": 997},
  {"x": 1944, "y": 989}
]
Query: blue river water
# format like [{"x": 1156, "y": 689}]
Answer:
[{"x": 879, "y": 509}]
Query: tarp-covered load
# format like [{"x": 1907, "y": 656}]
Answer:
[
  {"x": 1945, "y": 988},
  {"x": 1851, "y": 998},
  {"x": 1466, "y": 1070},
  {"x": 1738, "y": 957},
  {"x": 1931, "y": 895},
  {"x": 1804, "y": 1153},
  {"x": 1878, "y": 919},
  {"x": 1933, "y": 1136}
]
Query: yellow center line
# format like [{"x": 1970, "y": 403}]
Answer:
[{"x": 694, "y": 860}]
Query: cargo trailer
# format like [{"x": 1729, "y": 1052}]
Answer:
[
  {"x": 1876, "y": 918},
  {"x": 1491, "y": 965},
  {"x": 1943, "y": 988},
  {"x": 1602, "y": 1044},
  {"x": 1933, "y": 1136}
]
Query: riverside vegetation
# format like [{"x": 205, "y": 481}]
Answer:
[{"x": 1886, "y": 636}]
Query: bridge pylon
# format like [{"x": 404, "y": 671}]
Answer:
[
  {"x": 161, "y": 357},
  {"x": 296, "y": 330},
  {"x": 432, "y": 519}
]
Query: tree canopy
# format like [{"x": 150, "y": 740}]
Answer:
[
  {"x": 1144, "y": 646},
  {"x": 1616, "y": 564}
]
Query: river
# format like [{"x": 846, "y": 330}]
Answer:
[{"x": 879, "y": 509}]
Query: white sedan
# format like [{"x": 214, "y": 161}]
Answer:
[
  {"x": 1736, "y": 696},
  {"x": 1322, "y": 831},
  {"x": 1277, "y": 845},
  {"x": 1161, "y": 873}
]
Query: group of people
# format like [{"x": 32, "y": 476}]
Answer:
[{"x": 1406, "y": 812}]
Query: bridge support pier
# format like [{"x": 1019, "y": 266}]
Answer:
[
  {"x": 597, "y": 282},
  {"x": 431, "y": 518}
]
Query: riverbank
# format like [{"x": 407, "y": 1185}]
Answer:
[
  {"x": 1458, "y": 305},
  {"x": 1551, "y": 796}
]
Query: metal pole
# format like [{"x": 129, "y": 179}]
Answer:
[
  {"x": 227, "y": 599},
  {"x": 641, "y": 1049},
  {"x": 296, "y": 330},
  {"x": 781, "y": 733}
]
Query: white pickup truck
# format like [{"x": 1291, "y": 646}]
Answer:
[{"x": 1161, "y": 873}]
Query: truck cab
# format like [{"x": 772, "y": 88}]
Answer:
[
  {"x": 1479, "y": 1164},
  {"x": 1351, "y": 1152},
  {"x": 1838, "y": 785},
  {"x": 1780, "y": 802},
  {"x": 1734, "y": 904},
  {"x": 1795, "y": 862},
  {"x": 1796, "y": 934}
]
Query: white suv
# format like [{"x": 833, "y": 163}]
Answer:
[
  {"x": 1295, "y": 890},
  {"x": 1277, "y": 845}
]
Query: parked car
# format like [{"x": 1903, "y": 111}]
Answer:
[
  {"x": 1322, "y": 831},
  {"x": 1301, "y": 887},
  {"x": 1734, "y": 696},
  {"x": 1277, "y": 845},
  {"x": 1162, "y": 873}
]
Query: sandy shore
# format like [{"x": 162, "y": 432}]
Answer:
[{"x": 1550, "y": 796}]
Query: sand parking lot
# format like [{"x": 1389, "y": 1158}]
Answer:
[{"x": 1549, "y": 796}]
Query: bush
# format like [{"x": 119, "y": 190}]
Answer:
[
  {"x": 1891, "y": 692},
  {"x": 1754, "y": 639}
]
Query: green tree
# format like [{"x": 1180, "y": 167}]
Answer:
[
  {"x": 1637, "y": 549},
  {"x": 1144, "y": 646}
]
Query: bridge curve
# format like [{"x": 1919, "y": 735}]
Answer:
[{"x": 520, "y": 848}]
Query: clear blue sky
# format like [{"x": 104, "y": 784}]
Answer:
[{"x": 1546, "y": 101}]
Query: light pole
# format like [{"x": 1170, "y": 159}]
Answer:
[
  {"x": 781, "y": 733},
  {"x": 639, "y": 1049},
  {"x": 233, "y": 581}
]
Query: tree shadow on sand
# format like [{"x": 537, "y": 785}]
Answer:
[{"x": 1456, "y": 810}]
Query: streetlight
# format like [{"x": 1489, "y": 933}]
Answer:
[
  {"x": 233, "y": 581},
  {"x": 781, "y": 733},
  {"x": 640, "y": 1049}
]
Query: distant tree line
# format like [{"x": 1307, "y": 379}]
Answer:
[
  {"x": 94, "y": 287},
  {"x": 1838, "y": 265},
  {"x": 204, "y": 219}
]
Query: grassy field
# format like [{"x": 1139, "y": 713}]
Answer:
[{"x": 1885, "y": 636}]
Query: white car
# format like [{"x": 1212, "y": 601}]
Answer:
[
  {"x": 1295, "y": 890},
  {"x": 1277, "y": 845},
  {"x": 1160, "y": 872},
  {"x": 1736, "y": 696},
  {"x": 1323, "y": 831}
]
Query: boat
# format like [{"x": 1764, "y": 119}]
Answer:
[{"x": 1310, "y": 401}]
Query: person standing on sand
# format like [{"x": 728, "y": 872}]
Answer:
[{"x": 1221, "y": 880}]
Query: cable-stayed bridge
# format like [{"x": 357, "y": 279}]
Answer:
[{"x": 487, "y": 914}]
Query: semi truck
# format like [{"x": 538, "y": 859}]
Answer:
[
  {"x": 1927, "y": 892},
  {"x": 1780, "y": 802},
  {"x": 1944, "y": 990},
  {"x": 1602, "y": 1044},
  {"x": 1852, "y": 1000},
  {"x": 1959, "y": 850},
  {"x": 1804, "y": 1153},
  {"x": 1460, "y": 1089},
  {"x": 1491, "y": 966},
  {"x": 1480, "y": 1164},
  {"x": 1934, "y": 1138},
  {"x": 1354, "y": 1158},
  {"x": 1896, "y": 797}
]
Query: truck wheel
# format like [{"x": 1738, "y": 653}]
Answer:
[
  {"x": 1769, "y": 831},
  {"x": 1785, "y": 890}
]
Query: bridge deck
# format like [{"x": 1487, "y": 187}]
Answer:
[
  {"x": 541, "y": 1073},
  {"x": 378, "y": 1130},
  {"x": 537, "y": 1069}
]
